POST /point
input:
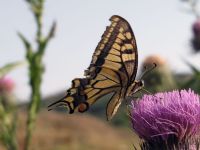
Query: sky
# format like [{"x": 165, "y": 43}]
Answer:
[{"x": 161, "y": 27}]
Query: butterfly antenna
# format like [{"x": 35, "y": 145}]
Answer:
[
  {"x": 147, "y": 71},
  {"x": 145, "y": 90},
  {"x": 55, "y": 104}
]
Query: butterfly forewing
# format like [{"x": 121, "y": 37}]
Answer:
[
  {"x": 112, "y": 70},
  {"x": 117, "y": 49}
]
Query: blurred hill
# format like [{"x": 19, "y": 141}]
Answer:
[{"x": 58, "y": 131}]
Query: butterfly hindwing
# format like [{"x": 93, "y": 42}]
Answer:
[{"x": 112, "y": 69}]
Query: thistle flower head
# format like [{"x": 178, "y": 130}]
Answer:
[
  {"x": 6, "y": 84},
  {"x": 154, "y": 59},
  {"x": 196, "y": 28},
  {"x": 195, "y": 41},
  {"x": 170, "y": 119}
]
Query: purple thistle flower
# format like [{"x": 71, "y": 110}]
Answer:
[
  {"x": 196, "y": 28},
  {"x": 196, "y": 36},
  {"x": 6, "y": 84},
  {"x": 169, "y": 120}
]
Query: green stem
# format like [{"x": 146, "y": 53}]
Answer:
[
  {"x": 36, "y": 67},
  {"x": 11, "y": 143},
  {"x": 38, "y": 17},
  {"x": 193, "y": 4},
  {"x": 36, "y": 70}
]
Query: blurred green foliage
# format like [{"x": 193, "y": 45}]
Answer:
[
  {"x": 9, "y": 67},
  {"x": 36, "y": 68},
  {"x": 160, "y": 79},
  {"x": 193, "y": 80},
  {"x": 8, "y": 122},
  {"x": 8, "y": 114}
]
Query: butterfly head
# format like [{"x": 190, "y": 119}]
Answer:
[{"x": 135, "y": 87}]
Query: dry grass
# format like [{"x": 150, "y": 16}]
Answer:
[{"x": 58, "y": 131}]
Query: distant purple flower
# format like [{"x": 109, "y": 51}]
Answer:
[
  {"x": 195, "y": 41},
  {"x": 6, "y": 84},
  {"x": 196, "y": 28},
  {"x": 169, "y": 120},
  {"x": 196, "y": 36}
]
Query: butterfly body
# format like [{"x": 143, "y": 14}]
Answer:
[{"x": 112, "y": 70}]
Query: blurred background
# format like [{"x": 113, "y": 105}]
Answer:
[{"x": 167, "y": 33}]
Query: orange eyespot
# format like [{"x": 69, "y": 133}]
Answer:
[{"x": 83, "y": 107}]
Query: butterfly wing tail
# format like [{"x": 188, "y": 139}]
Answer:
[
  {"x": 61, "y": 103},
  {"x": 113, "y": 105}
]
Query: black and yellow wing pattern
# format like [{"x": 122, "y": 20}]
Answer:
[{"x": 112, "y": 70}]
